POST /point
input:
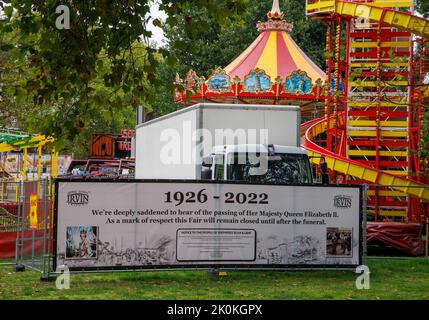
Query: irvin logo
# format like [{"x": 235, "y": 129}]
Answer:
[
  {"x": 343, "y": 202},
  {"x": 77, "y": 198}
]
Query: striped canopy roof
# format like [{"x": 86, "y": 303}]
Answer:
[
  {"x": 275, "y": 52},
  {"x": 272, "y": 70}
]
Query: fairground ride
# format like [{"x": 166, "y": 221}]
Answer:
[
  {"x": 22, "y": 144},
  {"x": 374, "y": 98},
  {"x": 376, "y": 128}
]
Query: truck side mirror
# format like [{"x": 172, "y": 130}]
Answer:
[{"x": 207, "y": 162}]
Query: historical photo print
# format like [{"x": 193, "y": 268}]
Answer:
[
  {"x": 339, "y": 242},
  {"x": 81, "y": 242}
]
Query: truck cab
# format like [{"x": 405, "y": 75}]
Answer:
[{"x": 258, "y": 163}]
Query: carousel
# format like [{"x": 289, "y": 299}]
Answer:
[{"x": 272, "y": 70}]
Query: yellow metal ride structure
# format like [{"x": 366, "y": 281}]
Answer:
[
  {"x": 375, "y": 128},
  {"x": 22, "y": 143}
]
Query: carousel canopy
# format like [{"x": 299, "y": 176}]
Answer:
[
  {"x": 275, "y": 52},
  {"x": 272, "y": 70}
]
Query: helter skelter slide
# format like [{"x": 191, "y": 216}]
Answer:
[{"x": 376, "y": 124}]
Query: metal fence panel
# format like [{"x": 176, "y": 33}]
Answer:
[{"x": 32, "y": 242}]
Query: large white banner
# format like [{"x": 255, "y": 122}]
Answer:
[{"x": 124, "y": 225}]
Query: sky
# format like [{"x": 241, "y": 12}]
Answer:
[{"x": 158, "y": 35}]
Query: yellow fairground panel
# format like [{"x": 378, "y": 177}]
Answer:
[
  {"x": 343, "y": 166},
  {"x": 54, "y": 166},
  {"x": 401, "y": 20},
  {"x": 374, "y": 104},
  {"x": 397, "y": 172},
  {"x": 382, "y": 84},
  {"x": 373, "y": 153},
  {"x": 404, "y": 21},
  {"x": 371, "y": 123},
  {"x": 23, "y": 172},
  {"x": 387, "y": 193},
  {"x": 393, "y": 4},
  {"x": 400, "y": 184},
  {"x": 374, "y": 64},
  {"x": 406, "y": 44},
  {"x": 368, "y": 133},
  {"x": 390, "y": 213},
  {"x": 322, "y": 5},
  {"x": 396, "y": 183},
  {"x": 33, "y": 142},
  {"x": 366, "y": 106}
]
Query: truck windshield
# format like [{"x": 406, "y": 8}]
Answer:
[{"x": 282, "y": 168}]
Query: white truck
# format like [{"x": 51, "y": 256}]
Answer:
[{"x": 224, "y": 142}]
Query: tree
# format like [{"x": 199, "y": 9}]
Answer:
[
  {"x": 14, "y": 103},
  {"x": 18, "y": 110},
  {"x": 422, "y": 7},
  {"x": 60, "y": 69}
]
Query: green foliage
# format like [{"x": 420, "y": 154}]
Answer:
[
  {"x": 72, "y": 83},
  {"x": 14, "y": 105},
  {"x": 88, "y": 77},
  {"x": 422, "y": 6}
]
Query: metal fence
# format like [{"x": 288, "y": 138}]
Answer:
[
  {"x": 9, "y": 205},
  {"x": 9, "y": 191},
  {"x": 26, "y": 223}
]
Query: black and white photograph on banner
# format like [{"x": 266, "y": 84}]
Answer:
[{"x": 339, "y": 242}]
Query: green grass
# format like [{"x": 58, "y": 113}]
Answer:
[{"x": 390, "y": 279}]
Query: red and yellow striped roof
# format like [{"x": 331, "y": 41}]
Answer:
[{"x": 275, "y": 52}]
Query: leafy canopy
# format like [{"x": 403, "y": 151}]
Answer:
[{"x": 102, "y": 64}]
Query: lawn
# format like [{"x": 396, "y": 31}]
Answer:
[{"x": 390, "y": 279}]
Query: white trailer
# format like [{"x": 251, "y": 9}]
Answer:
[{"x": 174, "y": 146}]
